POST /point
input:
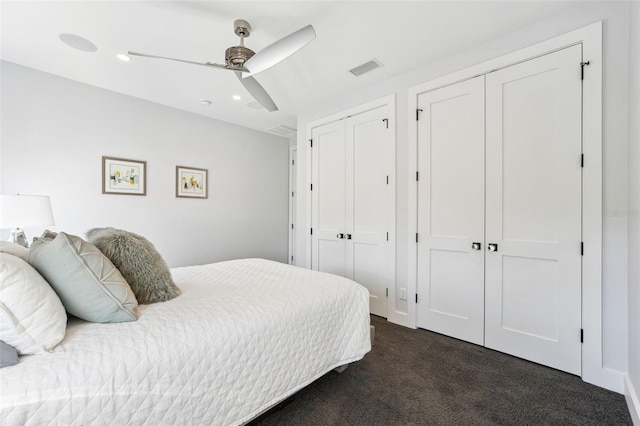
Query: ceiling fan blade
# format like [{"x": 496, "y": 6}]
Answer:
[
  {"x": 257, "y": 91},
  {"x": 279, "y": 50},
  {"x": 206, "y": 64}
]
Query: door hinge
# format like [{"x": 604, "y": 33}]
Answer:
[
  {"x": 418, "y": 114},
  {"x": 416, "y": 237},
  {"x": 311, "y": 231},
  {"x": 386, "y": 121},
  {"x": 387, "y": 236},
  {"x": 312, "y": 187},
  {"x": 387, "y": 292},
  {"x": 581, "y": 160},
  {"x": 416, "y": 297},
  {"x": 292, "y": 193},
  {"x": 387, "y": 179},
  {"x": 292, "y": 226},
  {"x": 417, "y": 176},
  {"x": 581, "y": 248},
  {"x": 311, "y": 142},
  {"x": 292, "y": 258},
  {"x": 581, "y": 335},
  {"x": 582, "y": 65}
]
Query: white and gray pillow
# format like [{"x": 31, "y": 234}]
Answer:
[
  {"x": 138, "y": 261},
  {"x": 88, "y": 284}
]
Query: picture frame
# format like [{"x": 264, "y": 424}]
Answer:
[
  {"x": 191, "y": 182},
  {"x": 124, "y": 176}
]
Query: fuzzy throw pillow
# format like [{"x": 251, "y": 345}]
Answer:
[{"x": 139, "y": 263}]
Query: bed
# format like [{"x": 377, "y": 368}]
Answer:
[{"x": 242, "y": 336}]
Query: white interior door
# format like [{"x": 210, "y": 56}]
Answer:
[
  {"x": 369, "y": 158},
  {"x": 533, "y": 210},
  {"x": 451, "y": 211},
  {"x": 328, "y": 249}
]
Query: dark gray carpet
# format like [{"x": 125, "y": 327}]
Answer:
[{"x": 416, "y": 377}]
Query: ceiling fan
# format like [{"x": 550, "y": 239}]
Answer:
[{"x": 241, "y": 59}]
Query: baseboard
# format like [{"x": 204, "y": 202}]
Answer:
[
  {"x": 633, "y": 402},
  {"x": 401, "y": 318},
  {"x": 602, "y": 377}
]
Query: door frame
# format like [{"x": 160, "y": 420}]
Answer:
[
  {"x": 591, "y": 39},
  {"x": 390, "y": 102},
  {"x": 293, "y": 153}
]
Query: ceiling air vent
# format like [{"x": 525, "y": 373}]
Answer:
[
  {"x": 282, "y": 130},
  {"x": 365, "y": 68}
]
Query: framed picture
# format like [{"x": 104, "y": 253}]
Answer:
[
  {"x": 121, "y": 176},
  {"x": 191, "y": 182}
]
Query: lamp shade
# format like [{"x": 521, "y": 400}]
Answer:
[{"x": 23, "y": 211}]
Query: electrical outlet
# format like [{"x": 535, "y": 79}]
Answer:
[{"x": 403, "y": 293}]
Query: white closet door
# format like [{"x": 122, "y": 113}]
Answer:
[
  {"x": 328, "y": 198},
  {"x": 451, "y": 211},
  {"x": 533, "y": 206},
  {"x": 369, "y": 153}
]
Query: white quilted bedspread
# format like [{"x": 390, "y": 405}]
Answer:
[{"x": 243, "y": 335}]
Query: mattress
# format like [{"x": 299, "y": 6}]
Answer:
[{"x": 242, "y": 336}]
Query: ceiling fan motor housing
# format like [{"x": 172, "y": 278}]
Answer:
[{"x": 236, "y": 56}]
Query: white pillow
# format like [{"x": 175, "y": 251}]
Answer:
[
  {"x": 14, "y": 249},
  {"x": 32, "y": 318}
]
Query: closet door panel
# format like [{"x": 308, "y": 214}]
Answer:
[
  {"x": 533, "y": 213},
  {"x": 328, "y": 199},
  {"x": 449, "y": 286},
  {"x": 369, "y": 153},
  {"x": 451, "y": 210}
]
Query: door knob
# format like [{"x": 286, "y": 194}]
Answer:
[
  {"x": 492, "y": 247},
  {"x": 476, "y": 246},
  {"x": 340, "y": 236}
]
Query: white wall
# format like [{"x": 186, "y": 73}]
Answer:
[
  {"x": 632, "y": 391},
  {"x": 615, "y": 129},
  {"x": 55, "y": 131}
]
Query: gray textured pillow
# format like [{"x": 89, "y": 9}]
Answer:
[
  {"x": 88, "y": 284},
  {"x": 138, "y": 261}
]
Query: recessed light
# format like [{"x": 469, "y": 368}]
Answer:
[
  {"x": 123, "y": 57},
  {"x": 77, "y": 42},
  {"x": 205, "y": 102},
  {"x": 236, "y": 97}
]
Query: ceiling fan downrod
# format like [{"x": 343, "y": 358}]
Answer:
[{"x": 236, "y": 56}]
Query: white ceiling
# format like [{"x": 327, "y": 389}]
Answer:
[{"x": 402, "y": 35}]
